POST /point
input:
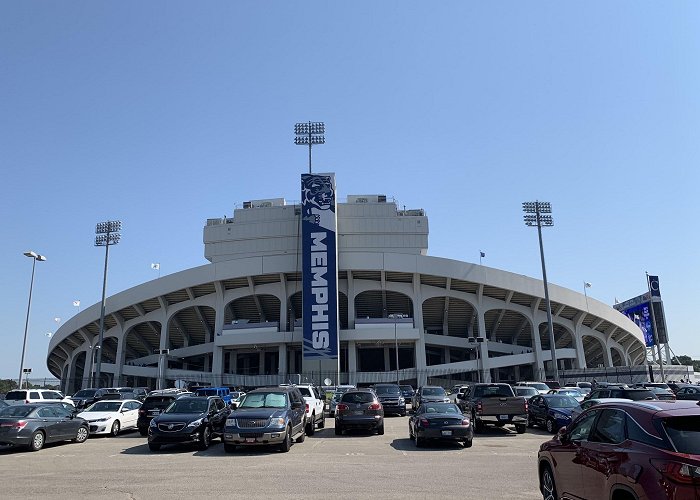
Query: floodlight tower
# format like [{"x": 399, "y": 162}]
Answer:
[
  {"x": 107, "y": 234},
  {"x": 533, "y": 217},
  {"x": 309, "y": 133}
]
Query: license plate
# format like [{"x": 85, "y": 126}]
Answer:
[
  {"x": 446, "y": 433},
  {"x": 357, "y": 412},
  {"x": 156, "y": 412},
  {"x": 249, "y": 440},
  {"x": 503, "y": 417}
]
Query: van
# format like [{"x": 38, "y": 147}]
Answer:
[{"x": 223, "y": 392}]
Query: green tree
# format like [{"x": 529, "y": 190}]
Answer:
[{"x": 7, "y": 385}]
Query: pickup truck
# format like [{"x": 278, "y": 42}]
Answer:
[
  {"x": 315, "y": 406},
  {"x": 494, "y": 404}
]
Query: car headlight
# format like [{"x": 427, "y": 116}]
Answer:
[
  {"x": 446, "y": 400},
  {"x": 100, "y": 419},
  {"x": 196, "y": 423},
  {"x": 402, "y": 400},
  {"x": 153, "y": 423},
  {"x": 231, "y": 422}
]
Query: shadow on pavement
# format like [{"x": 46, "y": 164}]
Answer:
[{"x": 406, "y": 444}]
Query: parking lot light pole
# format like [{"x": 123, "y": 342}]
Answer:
[
  {"x": 107, "y": 234},
  {"x": 35, "y": 256},
  {"x": 534, "y": 211},
  {"x": 397, "y": 317}
]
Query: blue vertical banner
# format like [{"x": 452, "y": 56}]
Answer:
[{"x": 320, "y": 266}]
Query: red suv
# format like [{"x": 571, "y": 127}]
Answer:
[{"x": 625, "y": 451}]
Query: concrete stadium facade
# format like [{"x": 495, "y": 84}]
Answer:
[{"x": 237, "y": 320}]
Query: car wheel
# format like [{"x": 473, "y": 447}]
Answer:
[
  {"x": 302, "y": 437},
  {"x": 153, "y": 446},
  {"x": 205, "y": 438},
  {"x": 287, "y": 443},
  {"x": 37, "y": 441},
  {"x": 322, "y": 422},
  {"x": 116, "y": 427},
  {"x": 418, "y": 440},
  {"x": 551, "y": 428},
  {"x": 410, "y": 432},
  {"x": 338, "y": 430},
  {"x": 547, "y": 485},
  {"x": 520, "y": 428},
  {"x": 143, "y": 432},
  {"x": 311, "y": 426},
  {"x": 467, "y": 443},
  {"x": 530, "y": 422},
  {"x": 229, "y": 448},
  {"x": 82, "y": 434},
  {"x": 478, "y": 425},
  {"x": 380, "y": 430}
]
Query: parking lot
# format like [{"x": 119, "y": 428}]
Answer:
[{"x": 501, "y": 464}]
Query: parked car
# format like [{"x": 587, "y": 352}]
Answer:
[
  {"x": 155, "y": 403},
  {"x": 494, "y": 404},
  {"x": 407, "y": 391},
  {"x": 620, "y": 391},
  {"x": 642, "y": 449},
  {"x": 588, "y": 403},
  {"x": 429, "y": 394},
  {"x": 525, "y": 391},
  {"x": 568, "y": 391},
  {"x": 222, "y": 392},
  {"x": 86, "y": 397},
  {"x": 440, "y": 421},
  {"x": 688, "y": 392},
  {"x": 661, "y": 393},
  {"x": 359, "y": 409},
  {"x": 551, "y": 411},
  {"x": 137, "y": 393},
  {"x": 391, "y": 398},
  {"x": 25, "y": 396},
  {"x": 541, "y": 387},
  {"x": 584, "y": 387},
  {"x": 273, "y": 416},
  {"x": 111, "y": 417},
  {"x": 32, "y": 425},
  {"x": 189, "y": 419}
]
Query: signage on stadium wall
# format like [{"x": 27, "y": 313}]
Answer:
[
  {"x": 320, "y": 266},
  {"x": 638, "y": 309}
]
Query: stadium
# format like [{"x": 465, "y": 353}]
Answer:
[{"x": 401, "y": 313}]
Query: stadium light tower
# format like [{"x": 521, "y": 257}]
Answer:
[
  {"x": 309, "y": 133},
  {"x": 107, "y": 234},
  {"x": 534, "y": 211},
  {"x": 35, "y": 256}
]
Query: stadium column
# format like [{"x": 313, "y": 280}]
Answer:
[
  {"x": 352, "y": 362},
  {"x": 536, "y": 340},
  {"x": 483, "y": 348},
  {"x": 163, "y": 345},
  {"x": 351, "y": 301},
  {"x": 118, "y": 355},
  {"x": 578, "y": 341},
  {"x": 217, "y": 365},
  {"x": 421, "y": 374},
  {"x": 282, "y": 362}
]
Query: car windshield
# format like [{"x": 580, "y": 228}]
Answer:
[
  {"x": 387, "y": 389},
  {"x": 15, "y": 395},
  {"x": 154, "y": 402},
  {"x": 358, "y": 397},
  {"x": 85, "y": 393},
  {"x": 684, "y": 433},
  {"x": 105, "y": 406},
  {"x": 562, "y": 402},
  {"x": 539, "y": 386},
  {"x": 434, "y": 391},
  {"x": 265, "y": 400},
  {"x": 570, "y": 392},
  {"x": 493, "y": 391},
  {"x": 441, "y": 408},
  {"x": 188, "y": 406},
  {"x": 406, "y": 388},
  {"x": 526, "y": 391},
  {"x": 16, "y": 411},
  {"x": 305, "y": 392}
]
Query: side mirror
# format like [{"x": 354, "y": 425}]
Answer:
[{"x": 562, "y": 435}]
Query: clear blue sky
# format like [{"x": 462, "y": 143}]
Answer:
[{"x": 166, "y": 113}]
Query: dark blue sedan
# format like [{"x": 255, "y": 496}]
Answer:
[{"x": 551, "y": 411}]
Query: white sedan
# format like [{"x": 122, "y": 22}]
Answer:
[{"x": 111, "y": 416}]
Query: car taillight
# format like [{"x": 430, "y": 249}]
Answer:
[
  {"x": 479, "y": 407},
  {"x": 424, "y": 422},
  {"x": 375, "y": 406},
  {"x": 525, "y": 406},
  {"x": 142, "y": 412},
  {"x": 19, "y": 425},
  {"x": 340, "y": 407},
  {"x": 307, "y": 407},
  {"x": 677, "y": 471}
]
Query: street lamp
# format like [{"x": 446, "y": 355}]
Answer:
[
  {"x": 397, "y": 317},
  {"x": 534, "y": 217},
  {"x": 309, "y": 133},
  {"x": 107, "y": 234},
  {"x": 35, "y": 256}
]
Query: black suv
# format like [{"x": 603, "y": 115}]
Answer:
[
  {"x": 359, "y": 409},
  {"x": 85, "y": 397},
  {"x": 269, "y": 415},
  {"x": 152, "y": 406},
  {"x": 189, "y": 419},
  {"x": 621, "y": 391},
  {"x": 391, "y": 398}
]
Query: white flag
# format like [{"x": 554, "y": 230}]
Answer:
[
  {"x": 76, "y": 303},
  {"x": 155, "y": 265}
]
